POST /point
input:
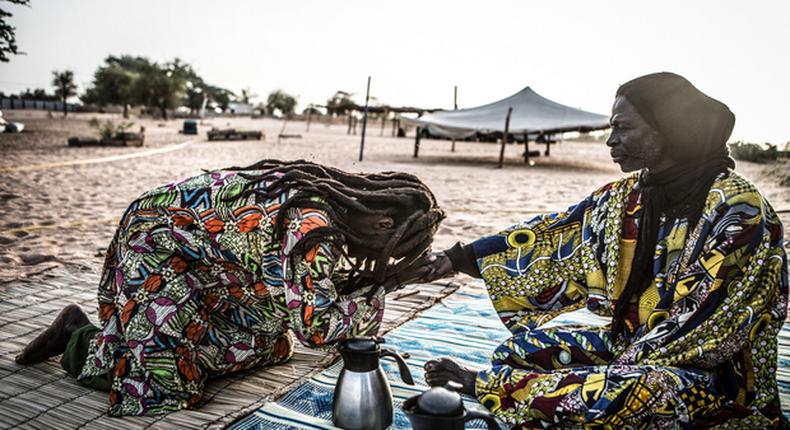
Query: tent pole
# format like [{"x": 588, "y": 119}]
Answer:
[
  {"x": 526, "y": 148},
  {"x": 309, "y": 116},
  {"x": 349, "y": 123},
  {"x": 394, "y": 120},
  {"x": 504, "y": 138},
  {"x": 455, "y": 107},
  {"x": 364, "y": 122},
  {"x": 417, "y": 143},
  {"x": 548, "y": 145}
]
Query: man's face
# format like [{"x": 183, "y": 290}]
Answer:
[{"x": 634, "y": 143}]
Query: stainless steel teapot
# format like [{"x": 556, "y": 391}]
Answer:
[{"x": 363, "y": 399}]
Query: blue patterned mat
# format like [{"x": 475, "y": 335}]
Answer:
[{"x": 465, "y": 327}]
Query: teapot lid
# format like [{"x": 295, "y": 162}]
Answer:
[
  {"x": 442, "y": 401},
  {"x": 360, "y": 354},
  {"x": 361, "y": 344}
]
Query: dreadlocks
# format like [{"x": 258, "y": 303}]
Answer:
[{"x": 343, "y": 196}]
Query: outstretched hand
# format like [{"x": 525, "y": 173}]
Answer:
[{"x": 429, "y": 268}]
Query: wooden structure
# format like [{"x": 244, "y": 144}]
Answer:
[
  {"x": 125, "y": 138},
  {"x": 234, "y": 134}
]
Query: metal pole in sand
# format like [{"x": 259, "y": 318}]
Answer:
[
  {"x": 417, "y": 134},
  {"x": 364, "y": 122},
  {"x": 455, "y": 107},
  {"x": 526, "y": 148},
  {"x": 504, "y": 138},
  {"x": 309, "y": 116}
]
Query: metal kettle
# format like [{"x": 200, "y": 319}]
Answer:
[
  {"x": 363, "y": 399},
  {"x": 442, "y": 408}
]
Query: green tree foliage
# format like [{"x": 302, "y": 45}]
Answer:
[
  {"x": 162, "y": 87},
  {"x": 220, "y": 97},
  {"x": 246, "y": 96},
  {"x": 114, "y": 82},
  {"x": 136, "y": 81},
  {"x": 754, "y": 152},
  {"x": 8, "y": 45},
  {"x": 64, "y": 86},
  {"x": 282, "y": 102},
  {"x": 340, "y": 103},
  {"x": 112, "y": 85}
]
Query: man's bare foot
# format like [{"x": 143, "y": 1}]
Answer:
[
  {"x": 53, "y": 340},
  {"x": 438, "y": 372}
]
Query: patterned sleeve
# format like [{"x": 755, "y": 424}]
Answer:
[
  {"x": 543, "y": 267},
  {"x": 318, "y": 313},
  {"x": 730, "y": 290}
]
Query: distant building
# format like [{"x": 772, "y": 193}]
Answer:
[{"x": 236, "y": 108}]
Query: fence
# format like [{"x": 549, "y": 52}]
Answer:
[{"x": 6, "y": 103}]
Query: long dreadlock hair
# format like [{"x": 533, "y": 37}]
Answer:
[{"x": 343, "y": 196}]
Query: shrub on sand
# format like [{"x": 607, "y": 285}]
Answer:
[
  {"x": 108, "y": 129},
  {"x": 754, "y": 152}
]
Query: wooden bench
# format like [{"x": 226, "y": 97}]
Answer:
[{"x": 233, "y": 134}]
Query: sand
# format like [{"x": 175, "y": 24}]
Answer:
[{"x": 53, "y": 213}]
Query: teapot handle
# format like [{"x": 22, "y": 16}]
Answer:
[
  {"x": 488, "y": 418},
  {"x": 405, "y": 373}
]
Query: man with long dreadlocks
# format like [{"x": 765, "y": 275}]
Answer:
[
  {"x": 212, "y": 274},
  {"x": 684, "y": 254}
]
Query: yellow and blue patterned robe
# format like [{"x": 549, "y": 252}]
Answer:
[
  {"x": 196, "y": 285},
  {"x": 701, "y": 344}
]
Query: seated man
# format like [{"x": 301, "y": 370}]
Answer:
[{"x": 686, "y": 257}]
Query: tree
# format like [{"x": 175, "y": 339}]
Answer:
[
  {"x": 247, "y": 96},
  {"x": 8, "y": 33},
  {"x": 64, "y": 86},
  {"x": 112, "y": 85},
  {"x": 41, "y": 94},
  {"x": 281, "y": 101},
  {"x": 162, "y": 86},
  {"x": 128, "y": 80},
  {"x": 340, "y": 103}
]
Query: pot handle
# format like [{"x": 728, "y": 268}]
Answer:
[
  {"x": 488, "y": 418},
  {"x": 405, "y": 373}
]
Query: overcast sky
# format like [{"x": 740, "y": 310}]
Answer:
[{"x": 574, "y": 52}]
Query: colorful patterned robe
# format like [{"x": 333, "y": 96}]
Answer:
[
  {"x": 195, "y": 286},
  {"x": 702, "y": 348}
]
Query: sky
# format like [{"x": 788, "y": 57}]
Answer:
[{"x": 574, "y": 52}]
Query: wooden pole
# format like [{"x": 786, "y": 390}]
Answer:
[
  {"x": 504, "y": 138},
  {"x": 282, "y": 130},
  {"x": 309, "y": 116},
  {"x": 394, "y": 121},
  {"x": 455, "y": 107},
  {"x": 526, "y": 148},
  {"x": 383, "y": 122},
  {"x": 417, "y": 143},
  {"x": 364, "y": 122},
  {"x": 548, "y": 145},
  {"x": 349, "y": 123}
]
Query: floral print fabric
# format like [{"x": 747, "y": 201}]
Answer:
[
  {"x": 195, "y": 285},
  {"x": 700, "y": 347}
]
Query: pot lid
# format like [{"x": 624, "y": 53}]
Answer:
[{"x": 442, "y": 401}]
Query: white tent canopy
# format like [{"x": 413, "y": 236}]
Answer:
[{"x": 532, "y": 113}]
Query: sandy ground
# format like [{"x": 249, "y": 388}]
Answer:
[{"x": 54, "y": 214}]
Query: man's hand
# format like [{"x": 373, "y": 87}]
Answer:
[{"x": 425, "y": 269}]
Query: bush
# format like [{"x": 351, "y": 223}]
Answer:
[
  {"x": 754, "y": 152},
  {"x": 108, "y": 129}
]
